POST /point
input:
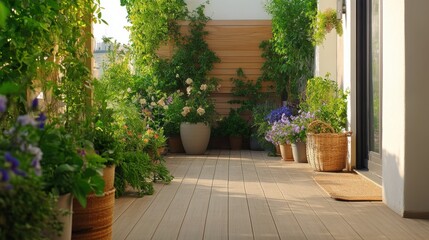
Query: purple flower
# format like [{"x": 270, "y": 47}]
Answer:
[
  {"x": 169, "y": 100},
  {"x": 24, "y": 120},
  {"x": 4, "y": 175},
  {"x": 35, "y": 104},
  {"x": 14, "y": 163},
  {"x": 3, "y": 103},
  {"x": 41, "y": 120},
  {"x": 82, "y": 152},
  {"x": 277, "y": 114}
]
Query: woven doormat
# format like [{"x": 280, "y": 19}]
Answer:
[{"x": 348, "y": 187}]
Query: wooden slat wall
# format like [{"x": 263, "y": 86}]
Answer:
[{"x": 236, "y": 43}]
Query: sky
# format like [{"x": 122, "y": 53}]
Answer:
[{"x": 116, "y": 17}]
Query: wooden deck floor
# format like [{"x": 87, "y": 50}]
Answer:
[{"x": 247, "y": 195}]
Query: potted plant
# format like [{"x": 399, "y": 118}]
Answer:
[
  {"x": 276, "y": 116},
  {"x": 172, "y": 123},
  {"x": 279, "y": 134},
  {"x": 236, "y": 128},
  {"x": 197, "y": 114},
  {"x": 326, "y": 136},
  {"x": 298, "y": 134},
  {"x": 323, "y": 24}
]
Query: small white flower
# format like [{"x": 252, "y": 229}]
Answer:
[
  {"x": 177, "y": 75},
  {"x": 153, "y": 104},
  {"x": 218, "y": 87},
  {"x": 201, "y": 111},
  {"x": 143, "y": 101},
  {"x": 165, "y": 107},
  {"x": 188, "y": 90},
  {"x": 203, "y": 87},
  {"x": 189, "y": 81},
  {"x": 128, "y": 90}
]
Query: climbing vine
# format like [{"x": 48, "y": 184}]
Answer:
[{"x": 292, "y": 41}]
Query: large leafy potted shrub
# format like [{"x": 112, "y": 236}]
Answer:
[
  {"x": 326, "y": 137},
  {"x": 198, "y": 112}
]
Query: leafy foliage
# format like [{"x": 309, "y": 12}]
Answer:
[
  {"x": 28, "y": 216},
  {"x": 235, "y": 125},
  {"x": 153, "y": 23},
  {"x": 248, "y": 92},
  {"x": 291, "y": 42},
  {"x": 323, "y": 23},
  {"x": 327, "y": 101}
]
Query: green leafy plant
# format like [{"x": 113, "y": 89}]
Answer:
[
  {"x": 173, "y": 116},
  {"x": 327, "y": 102},
  {"x": 259, "y": 122},
  {"x": 235, "y": 125},
  {"x": 69, "y": 167},
  {"x": 323, "y": 23},
  {"x": 248, "y": 92},
  {"x": 291, "y": 43}
]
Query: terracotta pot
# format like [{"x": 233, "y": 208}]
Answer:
[
  {"x": 278, "y": 152},
  {"x": 175, "y": 144},
  {"x": 299, "y": 153},
  {"x": 286, "y": 152},
  {"x": 195, "y": 137},
  {"x": 235, "y": 142}
]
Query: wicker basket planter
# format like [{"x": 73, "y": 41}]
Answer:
[{"x": 326, "y": 152}]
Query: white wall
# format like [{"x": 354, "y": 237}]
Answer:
[
  {"x": 416, "y": 199},
  {"x": 233, "y": 9},
  {"x": 393, "y": 113},
  {"x": 326, "y": 53}
]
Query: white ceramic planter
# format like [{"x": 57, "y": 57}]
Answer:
[
  {"x": 299, "y": 152},
  {"x": 195, "y": 137},
  {"x": 65, "y": 203}
]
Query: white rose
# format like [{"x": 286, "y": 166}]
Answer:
[
  {"x": 153, "y": 104},
  {"x": 143, "y": 101},
  {"x": 177, "y": 75},
  {"x": 189, "y": 81},
  {"x": 128, "y": 90},
  {"x": 201, "y": 111},
  {"x": 188, "y": 90},
  {"x": 203, "y": 87},
  {"x": 165, "y": 107}
]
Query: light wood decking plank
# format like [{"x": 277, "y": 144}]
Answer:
[
  {"x": 217, "y": 216},
  {"x": 195, "y": 218},
  {"x": 287, "y": 225},
  {"x": 310, "y": 223},
  {"x": 260, "y": 214},
  {"x": 239, "y": 224},
  {"x": 146, "y": 226}
]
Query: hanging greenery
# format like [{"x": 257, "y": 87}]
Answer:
[
  {"x": 44, "y": 40},
  {"x": 323, "y": 24},
  {"x": 292, "y": 31},
  {"x": 153, "y": 23}
]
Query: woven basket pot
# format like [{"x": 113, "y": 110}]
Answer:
[
  {"x": 94, "y": 221},
  {"x": 326, "y": 152}
]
